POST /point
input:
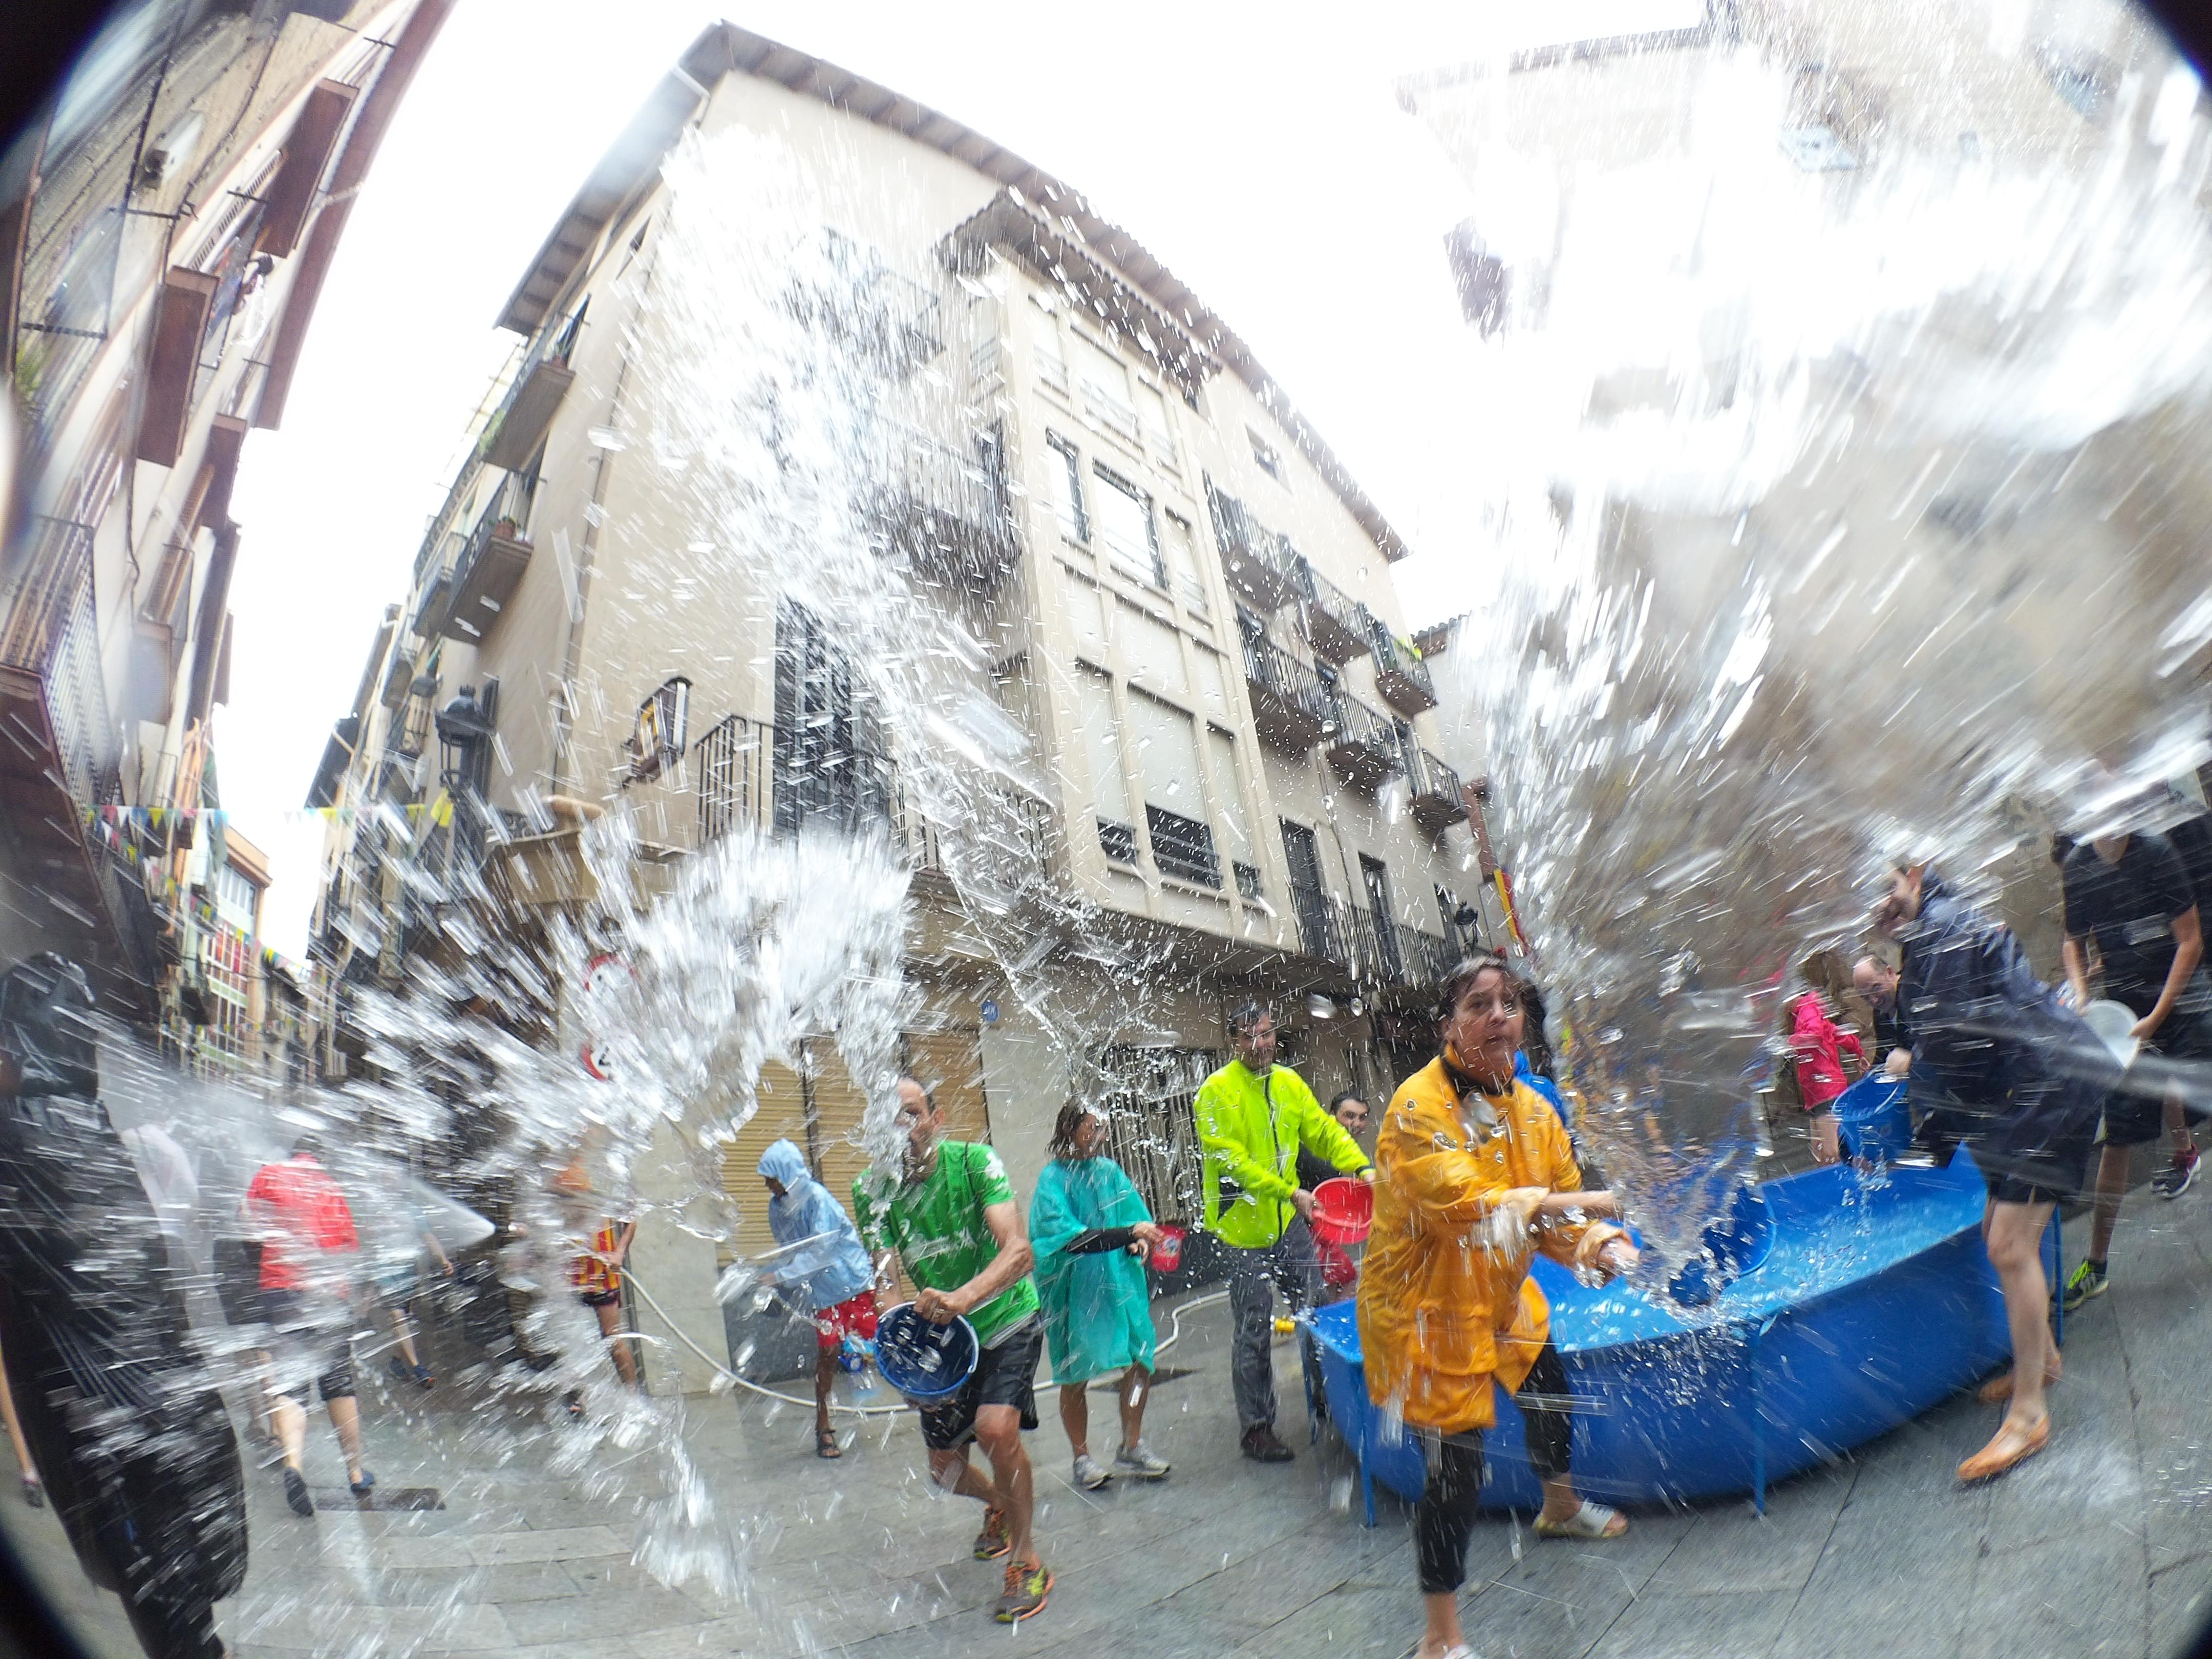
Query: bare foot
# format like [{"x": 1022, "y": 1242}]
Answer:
[{"x": 1998, "y": 1390}]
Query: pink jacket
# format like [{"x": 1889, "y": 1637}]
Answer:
[{"x": 1818, "y": 1041}]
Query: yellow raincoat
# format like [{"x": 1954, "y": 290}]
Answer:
[{"x": 1445, "y": 1302}]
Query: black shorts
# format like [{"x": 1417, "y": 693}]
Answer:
[
  {"x": 598, "y": 1299},
  {"x": 2175, "y": 1060},
  {"x": 301, "y": 1344},
  {"x": 1004, "y": 1375}
]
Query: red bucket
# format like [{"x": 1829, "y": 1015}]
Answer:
[
  {"x": 1343, "y": 1211},
  {"x": 1167, "y": 1255}
]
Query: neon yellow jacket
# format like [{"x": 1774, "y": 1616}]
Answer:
[{"x": 1251, "y": 1129}]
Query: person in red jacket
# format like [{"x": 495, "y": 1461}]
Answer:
[
  {"x": 308, "y": 1250},
  {"x": 1819, "y": 1044}
]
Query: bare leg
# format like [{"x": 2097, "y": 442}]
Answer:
[
  {"x": 1136, "y": 1385},
  {"x": 345, "y": 1418},
  {"x": 2176, "y": 1128},
  {"x": 15, "y": 1431},
  {"x": 999, "y": 1432},
  {"x": 405, "y": 1333},
  {"x": 953, "y": 1473},
  {"x": 1075, "y": 1418},
  {"x": 1440, "y": 1619},
  {"x": 2112, "y": 1189},
  {"x": 2015, "y": 1247},
  {"x": 825, "y": 1374},
  {"x": 609, "y": 1314},
  {"x": 289, "y": 1418}
]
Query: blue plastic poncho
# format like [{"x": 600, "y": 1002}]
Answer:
[
  {"x": 832, "y": 1265},
  {"x": 1097, "y": 1307}
]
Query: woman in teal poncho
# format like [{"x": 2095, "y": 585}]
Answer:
[{"x": 1091, "y": 1233}]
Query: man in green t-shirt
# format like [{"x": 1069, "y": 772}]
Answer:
[{"x": 952, "y": 1220}]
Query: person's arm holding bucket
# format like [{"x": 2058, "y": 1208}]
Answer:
[
  {"x": 1325, "y": 1135},
  {"x": 1568, "y": 1226},
  {"x": 1012, "y": 1263}
]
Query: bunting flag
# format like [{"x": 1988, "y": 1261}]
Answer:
[
  {"x": 440, "y": 811},
  {"x": 1512, "y": 917}
]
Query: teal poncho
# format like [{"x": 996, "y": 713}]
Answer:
[{"x": 1098, "y": 1308}]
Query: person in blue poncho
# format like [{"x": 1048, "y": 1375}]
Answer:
[
  {"x": 1091, "y": 1233},
  {"x": 822, "y": 1266}
]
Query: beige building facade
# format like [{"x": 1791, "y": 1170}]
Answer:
[{"x": 1191, "y": 758}]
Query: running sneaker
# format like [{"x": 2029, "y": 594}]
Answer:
[
  {"x": 1088, "y": 1473},
  {"x": 2177, "y": 1177},
  {"x": 1140, "y": 1460},
  {"x": 1027, "y": 1588},
  {"x": 994, "y": 1541},
  {"x": 2088, "y": 1281}
]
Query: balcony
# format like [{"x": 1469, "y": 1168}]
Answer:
[
  {"x": 1400, "y": 676},
  {"x": 945, "y": 511},
  {"x": 1438, "y": 801},
  {"x": 1361, "y": 744},
  {"x": 1289, "y": 706},
  {"x": 1254, "y": 558},
  {"x": 485, "y": 576},
  {"x": 1375, "y": 952},
  {"x": 1338, "y": 627},
  {"x": 521, "y": 425},
  {"x": 843, "y": 290}
]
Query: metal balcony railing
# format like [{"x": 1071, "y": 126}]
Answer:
[
  {"x": 1437, "y": 799},
  {"x": 1400, "y": 676},
  {"x": 1372, "y": 950},
  {"x": 842, "y": 289},
  {"x": 1257, "y": 561},
  {"x": 1338, "y": 626},
  {"x": 1289, "y": 704},
  {"x": 754, "y": 777},
  {"x": 1362, "y": 743}
]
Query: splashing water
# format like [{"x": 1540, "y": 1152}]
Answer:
[{"x": 1858, "y": 513}]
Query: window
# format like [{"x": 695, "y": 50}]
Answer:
[
  {"x": 1126, "y": 525},
  {"x": 1159, "y": 436},
  {"x": 1271, "y": 463},
  {"x": 657, "y": 737},
  {"x": 1182, "y": 847},
  {"x": 236, "y": 897},
  {"x": 1308, "y": 900},
  {"x": 1183, "y": 563},
  {"x": 1174, "y": 798},
  {"x": 1110, "y": 785},
  {"x": 1105, "y": 380},
  {"x": 829, "y": 767},
  {"x": 1064, "y": 481},
  {"x": 1248, "y": 880},
  {"x": 1051, "y": 367},
  {"x": 1377, "y": 878}
]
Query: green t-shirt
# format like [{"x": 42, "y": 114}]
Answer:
[{"x": 937, "y": 1227}]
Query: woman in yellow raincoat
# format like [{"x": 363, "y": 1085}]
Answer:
[{"x": 1474, "y": 1174}]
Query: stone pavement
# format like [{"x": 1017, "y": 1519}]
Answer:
[{"x": 2101, "y": 1546}]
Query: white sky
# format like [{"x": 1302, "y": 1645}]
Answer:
[{"x": 1256, "y": 150}]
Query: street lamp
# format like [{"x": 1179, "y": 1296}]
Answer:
[{"x": 464, "y": 728}]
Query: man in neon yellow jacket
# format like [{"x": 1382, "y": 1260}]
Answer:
[{"x": 1253, "y": 1116}]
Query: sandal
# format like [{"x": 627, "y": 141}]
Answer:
[
  {"x": 2009, "y": 1445},
  {"x": 1592, "y": 1521},
  {"x": 825, "y": 1444}
]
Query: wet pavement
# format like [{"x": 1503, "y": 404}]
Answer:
[{"x": 2099, "y": 1547}]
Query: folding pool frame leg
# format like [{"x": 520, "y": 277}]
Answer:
[{"x": 1367, "y": 1490}]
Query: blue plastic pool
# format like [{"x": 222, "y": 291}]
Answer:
[{"x": 1873, "y": 1301}]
